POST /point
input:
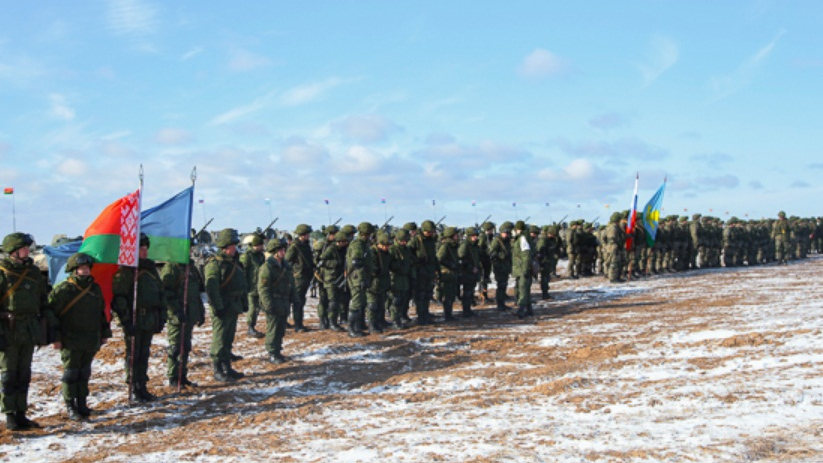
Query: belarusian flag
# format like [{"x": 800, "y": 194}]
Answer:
[
  {"x": 8, "y": 191},
  {"x": 112, "y": 240}
]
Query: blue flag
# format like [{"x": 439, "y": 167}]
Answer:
[
  {"x": 168, "y": 227},
  {"x": 57, "y": 257},
  {"x": 651, "y": 214}
]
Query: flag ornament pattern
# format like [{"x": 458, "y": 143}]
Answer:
[
  {"x": 129, "y": 230},
  {"x": 113, "y": 236}
]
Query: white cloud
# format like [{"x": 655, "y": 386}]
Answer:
[
  {"x": 191, "y": 53},
  {"x": 240, "y": 111},
  {"x": 298, "y": 151},
  {"x": 72, "y": 167},
  {"x": 627, "y": 148},
  {"x": 172, "y": 136},
  {"x": 131, "y": 17},
  {"x": 366, "y": 128},
  {"x": 359, "y": 160},
  {"x": 309, "y": 92},
  {"x": 663, "y": 55},
  {"x": 242, "y": 60},
  {"x": 542, "y": 63},
  {"x": 729, "y": 84},
  {"x": 60, "y": 108}
]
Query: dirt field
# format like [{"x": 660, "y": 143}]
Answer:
[{"x": 716, "y": 365}]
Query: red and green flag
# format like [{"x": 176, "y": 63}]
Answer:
[{"x": 8, "y": 191}]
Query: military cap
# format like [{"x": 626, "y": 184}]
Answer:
[
  {"x": 410, "y": 226},
  {"x": 506, "y": 227},
  {"x": 625, "y": 214},
  {"x": 449, "y": 232},
  {"x": 401, "y": 234},
  {"x": 520, "y": 225},
  {"x": 696, "y": 216},
  {"x": 144, "y": 240},
  {"x": 78, "y": 259},
  {"x": 780, "y": 214},
  {"x": 471, "y": 231},
  {"x": 257, "y": 239},
  {"x": 341, "y": 236},
  {"x": 534, "y": 229},
  {"x": 383, "y": 238},
  {"x": 332, "y": 230},
  {"x": 553, "y": 229},
  {"x": 226, "y": 238},
  {"x": 684, "y": 219},
  {"x": 275, "y": 244},
  {"x": 487, "y": 226},
  {"x": 348, "y": 229},
  {"x": 302, "y": 229},
  {"x": 15, "y": 241},
  {"x": 428, "y": 226},
  {"x": 365, "y": 228},
  {"x": 616, "y": 216}
]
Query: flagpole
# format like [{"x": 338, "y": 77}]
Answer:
[
  {"x": 328, "y": 210},
  {"x": 185, "y": 319},
  {"x": 134, "y": 294},
  {"x": 13, "y": 215}
]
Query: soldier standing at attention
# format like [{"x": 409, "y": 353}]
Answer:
[
  {"x": 449, "y": 270},
  {"x": 522, "y": 250},
  {"x": 81, "y": 311},
  {"x": 139, "y": 327},
  {"x": 401, "y": 267},
  {"x": 781, "y": 233},
  {"x": 546, "y": 257},
  {"x": 333, "y": 271},
  {"x": 424, "y": 249},
  {"x": 319, "y": 247},
  {"x": 483, "y": 241},
  {"x": 182, "y": 321},
  {"x": 376, "y": 294},
  {"x": 573, "y": 243},
  {"x": 277, "y": 289},
  {"x": 471, "y": 269},
  {"x": 228, "y": 298},
  {"x": 23, "y": 298},
  {"x": 300, "y": 259},
  {"x": 359, "y": 274},
  {"x": 500, "y": 251},
  {"x": 252, "y": 260},
  {"x": 614, "y": 240}
]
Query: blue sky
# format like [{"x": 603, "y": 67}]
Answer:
[{"x": 525, "y": 102}]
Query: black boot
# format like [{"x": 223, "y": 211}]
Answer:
[
  {"x": 277, "y": 358},
  {"x": 374, "y": 327},
  {"x": 399, "y": 324},
  {"x": 324, "y": 323},
  {"x": 231, "y": 372},
  {"x": 11, "y": 422},
  {"x": 354, "y": 325},
  {"x": 219, "y": 374},
  {"x": 336, "y": 326},
  {"x": 235, "y": 357},
  {"x": 83, "y": 408},
  {"x": 145, "y": 394},
  {"x": 254, "y": 333},
  {"x": 71, "y": 410},
  {"x": 521, "y": 313},
  {"x": 24, "y": 422}
]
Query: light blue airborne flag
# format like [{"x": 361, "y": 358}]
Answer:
[
  {"x": 651, "y": 214},
  {"x": 168, "y": 226},
  {"x": 57, "y": 258}
]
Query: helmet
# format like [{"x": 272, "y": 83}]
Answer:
[
  {"x": 506, "y": 227},
  {"x": 302, "y": 229},
  {"x": 449, "y": 232},
  {"x": 341, "y": 236},
  {"x": 365, "y": 228},
  {"x": 471, "y": 231},
  {"x": 78, "y": 259},
  {"x": 383, "y": 238},
  {"x": 144, "y": 240},
  {"x": 520, "y": 225},
  {"x": 332, "y": 230},
  {"x": 348, "y": 229},
  {"x": 275, "y": 244},
  {"x": 257, "y": 239},
  {"x": 487, "y": 226},
  {"x": 616, "y": 216},
  {"x": 534, "y": 229},
  {"x": 780, "y": 214},
  {"x": 16, "y": 241},
  {"x": 428, "y": 226},
  {"x": 410, "y": 226},
  {"x": 226, "y": 238},
  {"x": 401, "y": 234}
]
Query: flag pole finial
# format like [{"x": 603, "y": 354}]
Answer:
[{"x": 193, "y": 175}]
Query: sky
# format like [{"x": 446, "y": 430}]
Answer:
[{"x": 464, "y": 109}]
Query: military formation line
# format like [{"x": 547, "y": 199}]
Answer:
[{"x": 366, "y": 280}]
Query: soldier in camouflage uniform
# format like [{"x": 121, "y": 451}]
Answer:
[
  {"x": 401, "y": 268},
  {"x": 333, "y": 271},
  {"x": 377, "y": 292},
  {"x": 319, "y": 247},
  {"x": 698, "y": 242},
  {"x": 483, "y": 241},
  {"x": 500, "y": 251},
  {"x": 523, "y": 253},
  {"x": 179, "y": 292},
  {"x": 614, "y": 240},
  {"x": 573, "y": 242},
  {"x": 449, "y": 263},
  {"x": 227, "y": 290},
  {"x": 471, "y": 269},
  {"x": 359, "y": 274},
  {"x": 252, "y": 260},
  {"x": 277, "y": 289},
  {"x": 299, "y": 257},
  {"x": 23, "y": 300},
  {"x": 141, "y": 326},
  {"x": 424, "y": 249},
  {"x": 548, "y": 252},
  {"x": 79, "y": 305}
]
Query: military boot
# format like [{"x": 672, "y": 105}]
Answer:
[
  {"x": 521, "y": 312},
  {"x": 71, "y": 410},
  {"x": 399, "y": 324},
  {"x": 11, "y": 422},
  {"x": 25, "y": 423},
  {"x": 447, "y": 313},
  {"x": 254, "y": 333},
  {"x": 374, "y": 327},
  {"x": 355, "y": 330},
  {"x": 219, "y": 374},
  {"x": 145, "y": 394},
  {"x": 83, "y": 408},
  {"x": 231, "y": 372},
  {"x": 335, "y": 326}
]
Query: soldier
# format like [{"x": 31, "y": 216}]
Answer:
[
  {"x": 614, "y": 239},
  {"x": 140, "y": 326},
  {"x": 698, "y": 242},
  {"x": 449, "y": 263},
  {"x": 23, "y": 300},
  {"x": 523, "y": 252},
  {"x": 359, "y": 273},
  {"x": 227, "y": 291},
  {"x": 81, "y": 310},
  {"x": 299, "y": 258},
  {"x": 277, "y": 289},
  {"x": 401, "y": 267},
  {"x": 333, "y": 271},
  {"x": 423, "y": 248},
  {"x": 376, "y": 294},
  {"x": 471, "y": 269},
  {"x": 319, "y": 247},
  {"x": 781, "y": 232},
  {"x": 573, "y": 244},
  {"x": 184, "y": 310},
  {"x": 547, "y": 254},
  {"x": 483, "y": 241},
  {"x": 500, "y": 251},
  {"x": 252, "y": 260}
]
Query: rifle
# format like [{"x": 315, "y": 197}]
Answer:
[
  {"x": 595, "y": 219},
  {"x": 202, "y": 229},
  {"x": 564, "y": 218},
  {"x": 527, "y": 219},
  {"x": 386, "y": 222},
  {"x": 441, "y": 220},
  {"x": 486, "y": 219},
  {"x": 269, "y": 226},
  {"x": 337, "y": 221}
]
